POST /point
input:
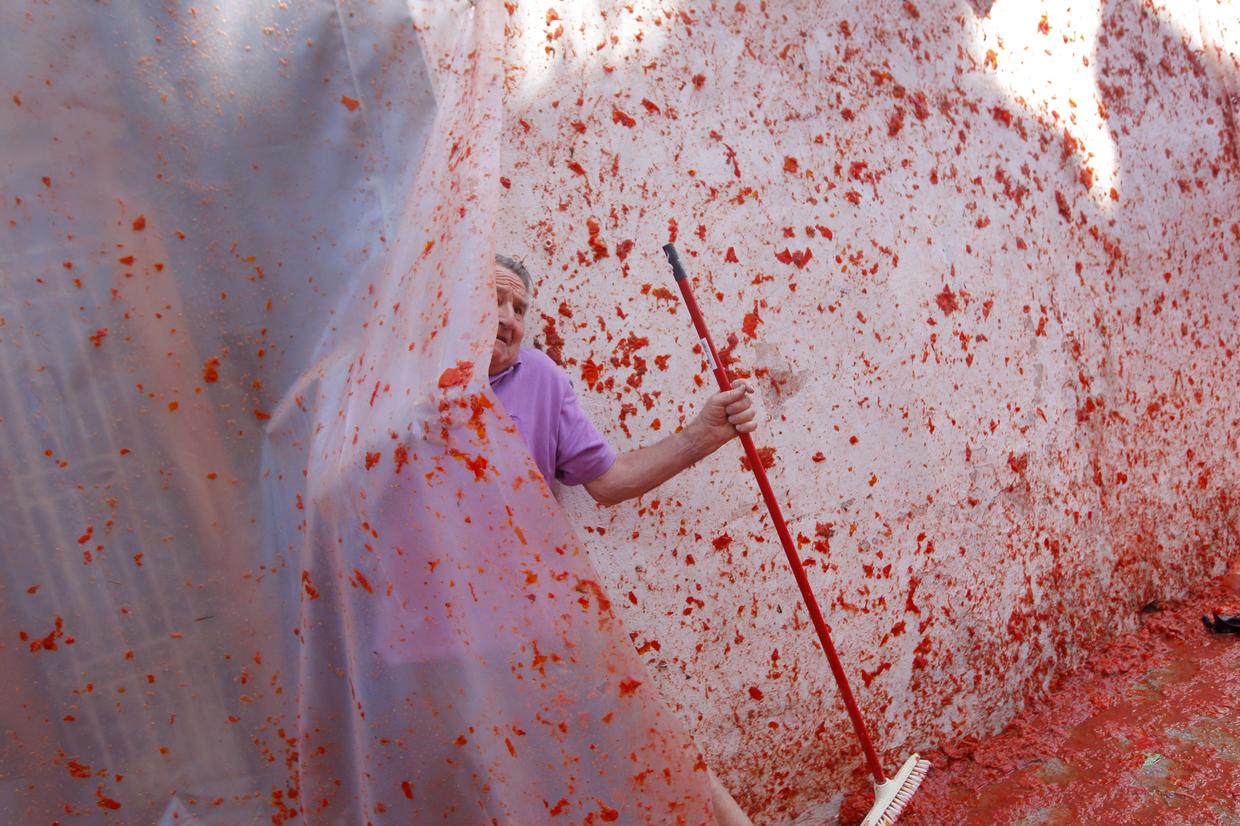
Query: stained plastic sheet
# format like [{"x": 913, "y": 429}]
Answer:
[{"x": 270, "y": 548}]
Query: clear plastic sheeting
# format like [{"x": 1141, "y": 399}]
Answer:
[{"x": 271, "y": 551}]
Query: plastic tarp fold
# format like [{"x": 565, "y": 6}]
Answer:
[{"x": 270, "y": 548}]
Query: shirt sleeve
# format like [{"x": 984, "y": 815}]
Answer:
[{"x": 582, "y": 454}]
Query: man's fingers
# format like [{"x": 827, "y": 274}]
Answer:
[
  {"x": 742, "y": 416},
  {"x": 737, "y": 391}
]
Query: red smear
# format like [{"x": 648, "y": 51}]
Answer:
[
  {"x": 401, "y": 456},
  {"x": 553, "y": 340},
  {"x": 604, "y": 604},
  {"x": 104, "y": 801},
  {"x": 210, "y": 374},
  {"x": 458, "y": 375},
  {"x": 721, "y": 542},
  {"x": 478, "y": 405},
  {"x": 623, "y": 249},
  {"x": 672, "y": 229},
  {"x": 947, "y": 301},
  {"x": 651, "y": 106},
  {"x": 699, "y": 81},
  {"x": 48, "y": 643},
  {"x": 607, "y": 815},
  {"x": 911, "y": 9},
  {"x": 1062, "y": 204},
  {"x": 261, "y": 415},
  {"x": 895, "y": 122},
  {"x": 98, "y": 336},
  {"x": 730, "y": 256},
  {"x": 909, "y": 605},
  {"x": 407, "y": 788},
  {"x": 725, "y": 353},
  {"x": 361, "y": 581},
  {"x": 596, "y": 246},
  {"x": 349, "y": 103},
  {"x": 825, "y": 232},
  {"x": 477, "y": 464},
  {"x": 750, "y": 325},
  {"x": 505, "y": 182},
  {"x": 590, "y": 372},
  {"x": 127, "y": 260},
  {"x": 628, "y": 686},
  {"x": 790, "y": 164},
  {"x": 139, "y": 223},
  {"x": 1002, "y": 115},
  {"x": 576, "y": 167},
  {"x": 799, "y": 258},
  {"x": 766, "y": 455},
  {"x": 1018, "y": 464},
  {"x": 755, "y": 692},
  {"x": 623, "y": 119},
  {"x": 867, "y": 677},
  {"x": 372, "y": 459},
  {"x": 308, "y": 586},
  {"x": 818, "y": 457}
]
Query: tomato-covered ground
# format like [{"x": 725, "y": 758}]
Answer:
[{"x": 1148, "y": 733}]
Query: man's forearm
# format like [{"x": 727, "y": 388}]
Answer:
[{"x": 645, "y": 468}]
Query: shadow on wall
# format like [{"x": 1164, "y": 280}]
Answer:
[{"x": 1035, "y": 373}]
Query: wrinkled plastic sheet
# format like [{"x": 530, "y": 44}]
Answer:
[{"x": 270, "y": 549}]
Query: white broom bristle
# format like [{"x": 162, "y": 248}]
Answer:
[{"x": 912, "y": 777}]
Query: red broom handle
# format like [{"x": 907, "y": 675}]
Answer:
[{"x": 772, "y": 505}]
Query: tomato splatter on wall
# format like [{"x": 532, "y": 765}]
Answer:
[{"x": 945, "y": 316}]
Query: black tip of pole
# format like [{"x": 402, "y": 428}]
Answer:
[{"x": 678, "y": 272}]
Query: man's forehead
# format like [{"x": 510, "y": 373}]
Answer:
[{"x": 506, "y": 279}]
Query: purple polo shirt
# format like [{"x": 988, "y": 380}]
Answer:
[{"x": 563, "y": 441}]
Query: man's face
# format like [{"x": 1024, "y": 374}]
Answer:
[{"x": 513, "y": 302}]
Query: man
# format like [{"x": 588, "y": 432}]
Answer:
[
  {"x": 563, "y": 441},
  {"x": 566, "y": 446}
]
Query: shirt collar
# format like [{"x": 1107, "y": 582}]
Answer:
[{"x": 507, "y": 371}]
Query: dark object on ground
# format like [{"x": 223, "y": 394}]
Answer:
[{"x": 1222, "y": 623}]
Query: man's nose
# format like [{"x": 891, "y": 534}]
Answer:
[{"x": 505, "y": 314}]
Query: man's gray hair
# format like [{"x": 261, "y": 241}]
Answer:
[{"x": 518, "y": 269}]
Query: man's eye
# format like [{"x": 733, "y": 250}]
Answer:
[{"x": 520, "y": 309}]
